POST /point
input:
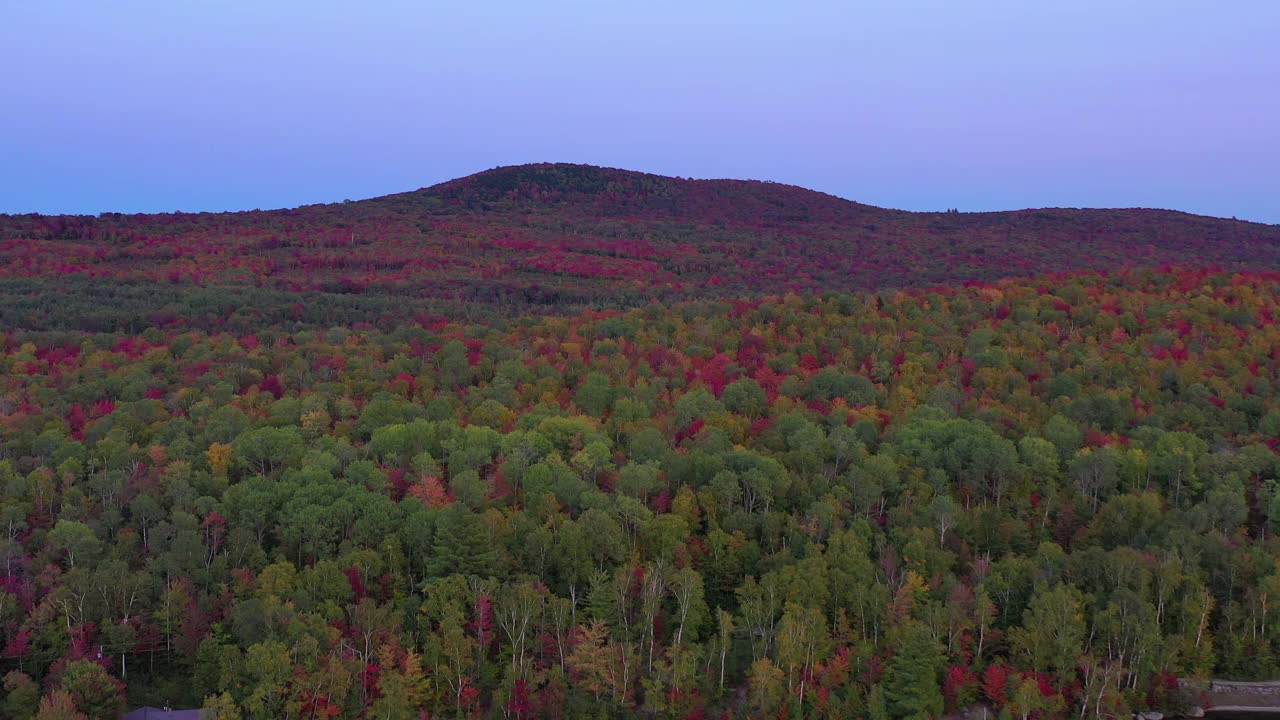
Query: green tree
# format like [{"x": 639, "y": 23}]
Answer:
[
  {"x": 74, "y": 541},
  {"x": 454, "y": 369},
  {"x": 267, "y": 668},
  {"x": 745, "y": 397},
  {"x": 1052, "y": 635},
  {"x": 401, "y": 687},
  {"x": 691, "y": 607},
  {"x": 765, "y": 682},
  {"x": 94, "y": 692},
  {"x": 595, "y": 394},
  {"x": 638, "y": 480},
  {"x": 267, "y": 449},
  {"x": 911, "y": 688},
  {"x": 1026, "y": 700},
  {"x": 697, "y": 404},
  {"x": 221, "y": 707},
  {"x": 461, "y": 545},
  {"x": 967, "y": 450},
  {"x": 21, "y": 696},
  {"x": 724, "y": 639},
  {"x": 876, "y": 707},
  {"x": 1065, "y": 435},
  {"x": 803, "y": 641}
]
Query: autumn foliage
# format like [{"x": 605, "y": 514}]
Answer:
[{"x": 1052, "y": 496}]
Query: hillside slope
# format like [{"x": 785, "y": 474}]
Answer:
[{"x": 552, "y": 237}]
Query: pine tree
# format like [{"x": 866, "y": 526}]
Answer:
[
  {"x": 876, "y": 709},
  {"x": 461, "y": 545},
  {"x": 911, "y": 689}
]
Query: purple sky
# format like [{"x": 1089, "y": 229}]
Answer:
[{"x": 153, "y": 106}]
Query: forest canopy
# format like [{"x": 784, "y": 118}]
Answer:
[{"x": 1045, "y": 496}]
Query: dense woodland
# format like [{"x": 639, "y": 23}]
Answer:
[
  {"x": 1051, "y": 497},
  {"x": 561, "y": 441}
]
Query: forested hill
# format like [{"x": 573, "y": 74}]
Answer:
[{"x": 553, "y": 238}]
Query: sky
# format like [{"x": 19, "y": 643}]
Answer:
[{"x": 142, "y": 106}]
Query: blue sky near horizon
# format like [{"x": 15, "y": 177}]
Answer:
[{"x": 142, "y": 105}]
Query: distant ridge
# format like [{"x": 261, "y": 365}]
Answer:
[
  {"x": 614, "y": 188},
  {"x": 611, "y": 191},
  {"x": 555, "y": 237}
]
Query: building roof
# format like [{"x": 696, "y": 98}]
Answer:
[{"x": 151, "y": 713}]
